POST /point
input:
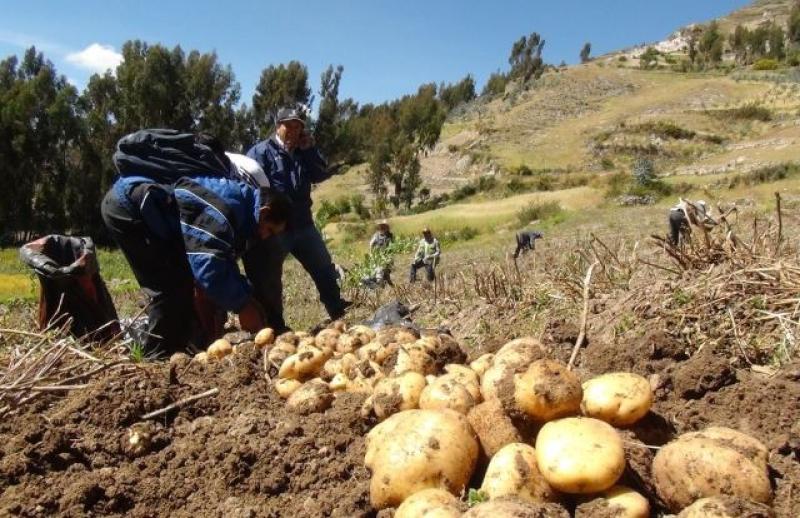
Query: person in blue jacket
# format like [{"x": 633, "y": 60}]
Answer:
[
  {"x": 292, "y": 163},
  {"x": 189, "y": 234}
]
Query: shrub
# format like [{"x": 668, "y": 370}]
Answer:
[
  {"x": 461, "y": 234},
  {"x": 766, "y": 64},
  {"x": 644, "y": 172},
  {"x": 622, "y": 59},
  {"x": 539, "y": 211},
  {"x": 358, "y": 207},
  {"x": 750, "y": 111},
  {"x": 759, "y": 176}
]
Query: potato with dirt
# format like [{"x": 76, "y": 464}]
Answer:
[
  {"x": 219, "y": 349},
  {"x": 493, "y": 426},
  {"x": 447, "y": 393},
  {"x": 285, "y": 387},
  {"x": 547, "y": 391},
  {"x": 714, "y": 462},
  {"x": 265, "y": 338},
  {"x": 513, "y": 472},
  {"x": 481, "y": 364},
  {"x": 515, "y": 355},
  {"x": 618, "y": 398},
  {"x": 726, "y": 507},
  {"x": 618, "y": 502},
  {"x": 397, "y": 393},
  {"x": 580, "y": 455},
  {"x": 512, "y": 507},
  {"x": 312, "y": 396},
  {"x": 302, "y": 365},
  {"x": 416, "y": 450},
  {"x": 430, "y": 503}
]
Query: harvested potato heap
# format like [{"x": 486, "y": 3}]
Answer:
[{"x": 545, "y": 437}]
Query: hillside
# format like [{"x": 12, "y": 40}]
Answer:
[{"x": 565, "y": 137}]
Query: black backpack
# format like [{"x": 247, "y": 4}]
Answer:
[{"x": 165, "y": 155}]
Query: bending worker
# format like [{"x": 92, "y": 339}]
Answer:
[{"x": 187, "y": 235}]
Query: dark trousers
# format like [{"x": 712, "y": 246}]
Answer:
[
  {"x": 522, "y": 248},
  {"x": 678, "y": 225},
  {"x": 429, "y": 271},
  {"x": 264, "y": 267},
  {"x": 163, "y": 272}
]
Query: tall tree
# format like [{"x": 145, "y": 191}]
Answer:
[
  {"x": 281, "y": 85},
  {"x": 711, "y": 44},
  {"x": 327, "y": 126},
  {"x": 793, "y": 25},
  {"x": 454, "y": 94},
  {"x": 526, "y": 57}
]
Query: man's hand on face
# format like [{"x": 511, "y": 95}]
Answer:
[{"x": 306, "y": 140}]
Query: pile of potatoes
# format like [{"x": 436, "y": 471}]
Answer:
[{"x": 547, "y": 440}]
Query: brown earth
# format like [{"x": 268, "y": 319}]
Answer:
[
  {"x": 241, "y": 453},
  {"x": 236, "y": 454}
]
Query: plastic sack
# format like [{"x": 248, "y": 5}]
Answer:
[{"x": 71, "y": 286}]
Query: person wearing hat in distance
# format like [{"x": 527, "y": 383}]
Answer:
[
  {"x": 683, "y": 215},
  {"x": 292, "y": 163},
  {"x": 427, "y": 256},
  {"x": 381, "y": 239}
]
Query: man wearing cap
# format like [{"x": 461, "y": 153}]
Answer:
[
  {"x": 427, "y": 256},
  {"x": 292, "y": 163}
]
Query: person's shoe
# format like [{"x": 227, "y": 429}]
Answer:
[{"x": 340, "y": 311}]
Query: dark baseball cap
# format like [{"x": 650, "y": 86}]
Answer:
[{"x": 290, "y": 114}]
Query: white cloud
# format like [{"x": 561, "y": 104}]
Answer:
[{"x": 96, "y": 58}]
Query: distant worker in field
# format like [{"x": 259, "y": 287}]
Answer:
[
  {"x": 381, "y": 240},
  {"x": 382, "y": 237},
  {"x": 428, "y": 255},
  {"x": 185, "y": 235},
  {"x": 292, "y": 163},
  {"x": 685, "y": 214},
  {"x": 526, "y": 241}
]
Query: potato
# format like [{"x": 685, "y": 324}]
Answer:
[
  {"x": 580, "y": 455},
  {"x": 338, "y": 325},
  {"x": 715, "y": 462},
  {"x": 547, "y": 390},
  {"x": 367, "y": 369},
  {"x": 464, "y": 375},
  {"x": 348, "y": 344},
  {"x": 726, "y": 507},
  {"x": 416, "y": 450},
  {"x": 396, "y": 394},
  {"x": 302, "y": 334},
  {"x": 619, "y": 501},
  {"x": 219, "y": 349},
  {"x": 201, "y": 357},
  {"x": 277, "y": 355},
  {"x": 312, "y": 396},
  {"x": 411, "y": 359},
  {"x": 285, "y": 387},
  {"x": 513, "y": 472},
  {"x": 516, "y": 354},
  {"x": 480, "y": 365},
  {"x": 360, "y": 386},
  {"x": 492, "y": 426},
  {"x": 302, "y": 365},
  {"x": 363, "y": 333},
  {"x": 367, "y": 351},
  {"x": 618, "y": 398},
  {"x": 443, "y": 349},
  {"x": 430, "y": 503},
  {"x": 519, "y": 351},
  {"x": 512, "y": 507},
  {"x": 289, "y": 337},
  {"x": 446, "y": 393},
  {"x": 338, "y": 383},
  {"x": 265, "y": 337},
  {"x": 327, "y": 339}
]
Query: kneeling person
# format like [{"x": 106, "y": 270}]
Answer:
[{"x": 191, "y": 233}]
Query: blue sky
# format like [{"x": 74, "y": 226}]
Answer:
[{"x": 387, "y": 48}]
